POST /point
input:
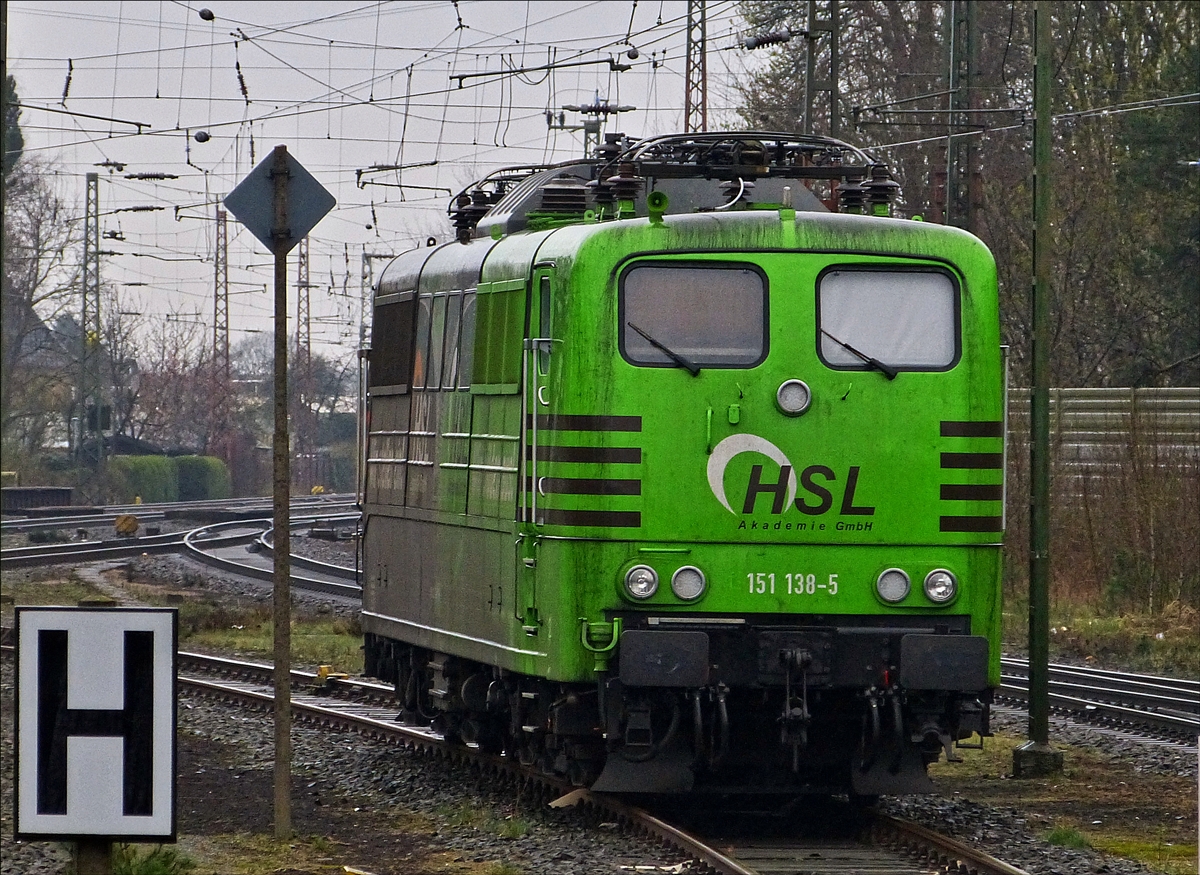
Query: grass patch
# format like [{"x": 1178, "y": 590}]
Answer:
[
  {"x": 485, "y": 820},
  {"x": 1067, "y": 837},
  {"x": 158, "y": 860},
  {"x": 248, "y": 628},
  {"x": 205, "y": 621},
  {"x": 412, "y": 823},
  {"x": 1160, "y": 643},
  {"x": 256, "y": 854},
  {"x": 37, "y": 591},
  {"x": 1161, "y": 856},
  {"x": 503, "y": 869},
  {"x": 1099, "y": 801},
  {"x": 332, "y": 641}
]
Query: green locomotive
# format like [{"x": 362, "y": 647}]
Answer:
[{"x": 685, "y": 471}]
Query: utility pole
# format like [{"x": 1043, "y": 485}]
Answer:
[
  {"x": 306, "y": 439},
  {"x": 817, "y": 28},
  {"x": 963, "y": 179},
  {"x": 222, "y": 385},
  {"x": 1036, "y": 758},
  {"x": 280, "y": 202},
  {"x": 695, "y": 88},
  {"x": 281, "y": 488},
  {"x": 89, "y": 328}
]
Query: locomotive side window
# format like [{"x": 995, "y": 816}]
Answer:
[
  {"x": 421, "y": 342},
  {"x": 437, "y": 334},
  {"x": 466, "y": 346},
  {"x": 544, "y": 325},
  {"x": 499, "y": 336},
  {"x": 710, "y": 315},
  {"x": 391, "y": 340},
  {"x": 906, "y": 319},
  {"x": 453, "y": 316}
]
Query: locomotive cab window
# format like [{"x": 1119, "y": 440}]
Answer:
[
  {"x": 710, "y": 315},
  {"x": 391, "y": 341},
  {"x": 906, "y": 319}
]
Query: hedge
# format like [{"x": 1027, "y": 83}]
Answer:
[
  {"x": 202, "y": 477},
  {"x": 152, "y": 477},
  {"x": 164, "y": 478}
]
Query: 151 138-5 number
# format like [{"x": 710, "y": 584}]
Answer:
[{"x": 763, "y": 583}]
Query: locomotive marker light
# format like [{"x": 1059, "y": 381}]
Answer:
[
  {"x": 793, "y": 397},
  {"x": 688, "y": 583},
  {"x": 279, "y": 202},
  {"x": 95, "y": 728},
  {"x": 892, "y": 585}
]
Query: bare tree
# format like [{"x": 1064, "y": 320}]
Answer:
[
  {"x": 173, "y": 408},
  {"x": 122, "y": 346},
  {"x": 40, "y": 282},
  {"x": 1126, "y": 193}
]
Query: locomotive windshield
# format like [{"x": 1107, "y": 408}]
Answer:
[
  {"x": 710, "y": 315},
  {"x": 907, "y": 319}
]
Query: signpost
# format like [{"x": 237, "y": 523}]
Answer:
[
  {"x": 95, "y": 728},
  {"x": 279, "y": 202}
]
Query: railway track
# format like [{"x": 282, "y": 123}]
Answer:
[
  {"x": 860, "y": 841},
  {"x": 867, "y": 841},
  {"x": 46, "y": 519},
  {"x": 245, "y": 549},
  {"x": 1169, "y": 706},
  {"x": 240, "y": 547},
  {"x": 90, "y": 551}
]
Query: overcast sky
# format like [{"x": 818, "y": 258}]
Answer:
[{"x": 345, "y": 85}]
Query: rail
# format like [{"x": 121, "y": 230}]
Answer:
[{"x": 1167, "y": 704}]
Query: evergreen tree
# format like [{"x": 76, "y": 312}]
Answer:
[{"x": 14, "y": 142}]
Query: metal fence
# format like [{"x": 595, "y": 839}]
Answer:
[{"x": 1099, "y": 428}]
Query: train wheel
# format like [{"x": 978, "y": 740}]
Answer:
[{"x": 449, "y": 726}]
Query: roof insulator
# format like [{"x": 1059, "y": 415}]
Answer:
[
  {"x": 852, "y": 196},
  {"x": 626, "y": 184},
  {"x": 881, "y": 189}
]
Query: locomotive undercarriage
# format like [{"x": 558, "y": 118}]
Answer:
[{"x": 797, "y": 735}]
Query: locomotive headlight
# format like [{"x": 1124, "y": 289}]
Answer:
[
  {"x": 688, "y": 583},
  {"x": 892, "y": 585},
  {"x": 940, "y": 585},
  {"x": 641, "y": 581},
  {"x": 793, "y": 397}
]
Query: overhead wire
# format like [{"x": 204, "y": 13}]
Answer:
[
  {"x": 511, "y": 109},
  {"x": 113, "y": 101}
]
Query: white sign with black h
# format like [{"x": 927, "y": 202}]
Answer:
[{"x": 96, "y": 723}]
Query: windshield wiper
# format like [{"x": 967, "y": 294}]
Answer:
[
  {"x": 887, "y": 370},
  {"x": 688, "y": 365}
]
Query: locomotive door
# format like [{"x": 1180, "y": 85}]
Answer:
[{"x": 535, "y": 407}]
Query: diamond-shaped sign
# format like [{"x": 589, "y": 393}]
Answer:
[{"x": 253, "y": 202}]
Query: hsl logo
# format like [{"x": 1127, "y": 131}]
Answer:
[{"x": 817, "y": 497}]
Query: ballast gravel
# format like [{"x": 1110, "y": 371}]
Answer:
[
  {"x": 567, "y": 841},
  {"x": 380, "y": 776}
]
